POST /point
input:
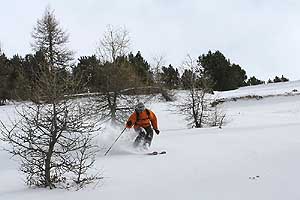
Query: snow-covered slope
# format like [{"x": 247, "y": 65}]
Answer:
[
  {"x": 272, "y": 89},
  {"x": 255, "y": 156}
]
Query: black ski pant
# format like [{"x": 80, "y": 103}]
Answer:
[{"x": 144, "y": 137}]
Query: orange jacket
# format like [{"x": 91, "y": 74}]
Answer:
[{"x": 143, "y": 120}]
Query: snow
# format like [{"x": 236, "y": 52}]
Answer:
[
  {"x": 261, "y": 139},
  {"x": 273, "y": 89}
]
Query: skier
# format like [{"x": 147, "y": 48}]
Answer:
[{"x": 140, "y": 120}]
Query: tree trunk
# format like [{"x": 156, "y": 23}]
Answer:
[
  {"x": 52, "y": 142},
  {"x": 114, "y": 108}
]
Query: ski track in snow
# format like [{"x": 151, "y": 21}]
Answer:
[{"x": 255, "y": 156}]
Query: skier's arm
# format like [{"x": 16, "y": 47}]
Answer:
[
  {"x": 131, "y": 121},
  {"x": 153, "y": 120}
]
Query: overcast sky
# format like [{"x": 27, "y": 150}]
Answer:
[{"x": 263, "y": 36}]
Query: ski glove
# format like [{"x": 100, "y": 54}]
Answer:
[
  {"x": 156, "y": 131},
  {"x": 129, "y": 123}
]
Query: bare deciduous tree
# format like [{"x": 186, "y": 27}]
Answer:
[
  {"x": 115, "y": 43},
  {"x": 46, "y": 138},
  {"x": 196, "y": 108},
  {"x": 53, "y": 135},
  {"x": 217, "y": 117},
  {"x": 158, "y": 62},
  {"x": 198, "y": 104},
  {"x": 116, "y": 75},
  {"x": 51, "y": 39}
]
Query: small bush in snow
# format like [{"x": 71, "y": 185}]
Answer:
[{"x": 198, "y": 105}]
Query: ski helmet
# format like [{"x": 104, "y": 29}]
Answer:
[{"x": 140, "y": 107}]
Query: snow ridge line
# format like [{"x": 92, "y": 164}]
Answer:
[{"x": 257, "y": 97}]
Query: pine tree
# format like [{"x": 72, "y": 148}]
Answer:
[
  {"x": 186, "y": 78},
  {"x": 284, "y": 79},
  {"x": 276, "y": 79},
  {"x": 170, "y": 77},
  {"x": 87, "y": 70},
  {"x": 254, "y": 81},
  {"x": 141, "y": 68},
  {"x": 225, "y": 75},
  {"x": 4, "y": 79}
]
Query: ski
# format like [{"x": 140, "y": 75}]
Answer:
[{"x": 156, "y": 153}]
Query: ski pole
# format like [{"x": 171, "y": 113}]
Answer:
[{"x": 114, "y": 142}]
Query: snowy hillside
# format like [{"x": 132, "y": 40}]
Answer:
[
  {"x": 255, "y": 156},
  {"x": 273, "y": 89}
]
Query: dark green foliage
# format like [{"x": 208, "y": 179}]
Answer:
[
  {"x": 170, "y": 77},
  {"x": 141, "y": 68},
  {"x": 114, "y": 79},
  {"x": 205, "y": 83},
  {"x": 283, "y": 79},
  {"x": 236, "y": 77},
  {"x": 254, "y": 81},
  {"x": 225, "y": 75},
  {"x": 277, "y": 79},
  {"x": 125, "y": 72},
  {"x": 10, "y": 77},
  {"x": 25, "y": 75},
  {"x": 15, "y": 81},
  {"x": 87, "y": 70},
  {"x": 19, "y": 77},
  {"x": 33, "y": 67},
  {"x": 117, "y": 76},
  {"x": 186, "y": 79},
  {"x": 190, "y": 80},
  {"x": 5, "y": 73}
]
